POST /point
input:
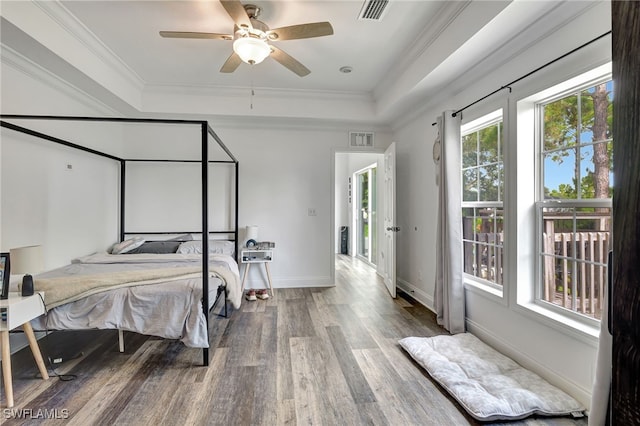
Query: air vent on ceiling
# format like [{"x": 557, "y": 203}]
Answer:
[
  {"x": 361, "y": 139},
  {"x": 373, "y": 10}
]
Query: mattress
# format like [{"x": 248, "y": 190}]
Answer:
[
  {"x": 170, "y": 310},
  {"x": 486, "y": 383}
]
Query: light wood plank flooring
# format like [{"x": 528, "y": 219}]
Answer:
[{"x": 315, "y": 356}]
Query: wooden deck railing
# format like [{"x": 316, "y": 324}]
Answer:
[
  {"x": 486, "y": 260},
  {"x": 573, "y": 281},
  {"x": 576, "y": 281}
]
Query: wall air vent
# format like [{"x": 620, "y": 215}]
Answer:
[
  {"x": 361, "y": 139},
  {"x": 373, "y": 10}
]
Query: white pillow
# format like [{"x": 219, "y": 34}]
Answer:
[
  {"x": 127, "y": 245},
  {"x": 215, "y": 246}
]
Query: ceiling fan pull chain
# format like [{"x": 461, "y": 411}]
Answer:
[{"x": 252, "y": 92}]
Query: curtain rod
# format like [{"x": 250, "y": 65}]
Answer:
[{"x": 508, "y": 86}]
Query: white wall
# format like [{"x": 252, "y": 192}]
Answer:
[
  {"x": 284, "y": 172},
  {"x": 70, "y": 211},
  {"x": 167, "y": 197},
  {"x": 564, "y": 356}
]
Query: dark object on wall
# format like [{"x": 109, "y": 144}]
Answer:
[
  {"x": 27, "y": 285},
  {"x": 625, "y": 305},
  {"x": 5, "y": 272},
  {"x": 344, "y": 240}
]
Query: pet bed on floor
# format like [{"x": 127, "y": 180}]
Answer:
[{"x": 488, "y": 385}]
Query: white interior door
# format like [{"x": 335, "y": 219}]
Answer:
[{"x": 388, "y": 246}]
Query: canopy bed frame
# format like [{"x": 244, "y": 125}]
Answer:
[{"x": 206, "y": 135}]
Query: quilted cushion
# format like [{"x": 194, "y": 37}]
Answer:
[{"x": 489, "y": 385}]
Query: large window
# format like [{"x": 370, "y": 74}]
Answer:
[
  {"x": 482, "y": 199},
  {"x": 574, "y": 197}
]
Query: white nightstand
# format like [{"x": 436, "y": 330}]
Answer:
[
  {"x": 18, "y": 311},
  {"x": 251, "y": 256}
]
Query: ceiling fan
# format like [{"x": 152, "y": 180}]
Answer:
[{"x": 251, "y": 38}]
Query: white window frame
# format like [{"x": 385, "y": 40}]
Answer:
[
  {"x": 474, "y": 283},
  {"x": 523, "y": 210},
  {"x": 542, "y": 203}
]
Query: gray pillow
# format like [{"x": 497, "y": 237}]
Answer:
[{"x": 156, "y": 247}]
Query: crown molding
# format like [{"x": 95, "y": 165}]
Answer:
[
  {"x": 298, "y": 124},
  {"x": 70, "y": 23},
  {"x": 18, "y": 62},
  {"x": 444, "y": 17},
  {"x": 241, "y": 92}
]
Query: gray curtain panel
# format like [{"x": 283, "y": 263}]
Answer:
[
  {"x": 602, "y": 383},
  {"x": 449, "y": 288}
]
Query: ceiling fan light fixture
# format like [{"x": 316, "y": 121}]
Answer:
[{"x": 251, "y": 50}]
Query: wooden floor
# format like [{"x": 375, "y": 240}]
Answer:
[{"x": 320, "y": 356}]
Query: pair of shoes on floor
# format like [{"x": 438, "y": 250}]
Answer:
[{"x": 254, "y": 295}]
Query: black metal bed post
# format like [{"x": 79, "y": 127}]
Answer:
[
  {"x": 123, "y": 166},
  {"x": 236, "y": 215},
  {"x": 205, "y": 234}
]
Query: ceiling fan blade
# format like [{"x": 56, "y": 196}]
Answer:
[
  {"x": 294, "y": 32},
  {"x": 236, "y": 10},
  {"x": 188, "y": 34},
  {"x": 232, "y": 63},
  {"x": 288, "y": 61}
]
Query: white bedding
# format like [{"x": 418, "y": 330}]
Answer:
[{"x": 170, "y": 310}]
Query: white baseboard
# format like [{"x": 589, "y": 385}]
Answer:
[
  {"x": 424, "y": 298},
  {"x": 292, "y": 282},
  {"x": 578, "y": 392}
]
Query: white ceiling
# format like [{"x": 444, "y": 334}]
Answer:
[
  {"x": 157, "y": 60},
  {"x": 112, "y": 51}
]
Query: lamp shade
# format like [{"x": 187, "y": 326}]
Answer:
[
  {"x": 252, "y": 233},
  {"x": 26, "y": 260},
  {"x": 251, "y": 50}
]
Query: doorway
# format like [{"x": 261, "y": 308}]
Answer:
[
  {"x": 356, "y": 202},
  {"x": 365, "y": 213},
  {"x": 363, "y": 224}
]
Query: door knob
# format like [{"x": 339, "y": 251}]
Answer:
[{"x": 393, "y": 228}]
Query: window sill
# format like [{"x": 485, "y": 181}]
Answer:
[
  {"x": 484, "y": 290},
  {"x": 587, "y": 333}
]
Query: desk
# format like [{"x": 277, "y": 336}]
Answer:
[
  {"x": 18, "y": 311},
  {"x": 251, "y": 256}
]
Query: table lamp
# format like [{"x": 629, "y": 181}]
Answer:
[
  {"x": 251, "y": 236},
  {"x": 26, "y": 260}
]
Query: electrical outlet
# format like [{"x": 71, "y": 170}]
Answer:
[{"x": 312, "y": 211}]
